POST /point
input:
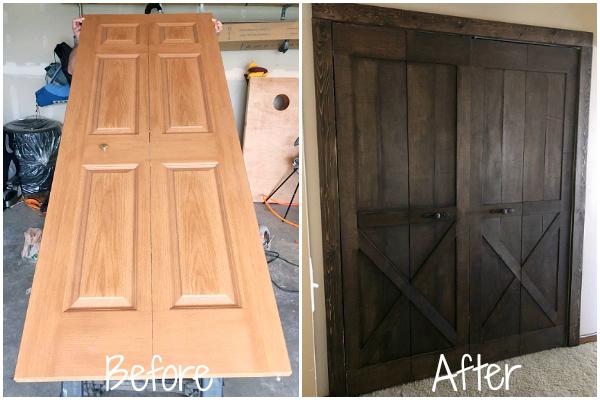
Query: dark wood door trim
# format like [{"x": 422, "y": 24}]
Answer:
[
  {"x": 330, "y": 208},
  {"x": 391, "y": 17},
  {"x": 577, "y": 219},
  {"x": 323, "y": 15}
]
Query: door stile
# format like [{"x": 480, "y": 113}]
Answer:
[
  {"x": 211, "y": 284},
  {"x": 92, "y": 278}
]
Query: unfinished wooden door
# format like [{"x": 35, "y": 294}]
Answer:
[
  {"x": 405, "y": 272},
  {"x": 522, "y": 131},
  {"x": 213, "y": 301},
  {"x": 151, "y": 246},
  {"x": 91, "y": 294}
]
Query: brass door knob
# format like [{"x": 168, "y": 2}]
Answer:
[{"x": 104, "y": 146}]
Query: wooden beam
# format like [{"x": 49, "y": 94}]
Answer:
[
  {"x": 383, "y": 16},
  {"x": 585, "y": 73},
  {"x": 330, "y": 211}
]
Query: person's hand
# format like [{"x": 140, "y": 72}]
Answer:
[
  {"x": 77, "y": 27},
  {"x": 218, "y": 25}
]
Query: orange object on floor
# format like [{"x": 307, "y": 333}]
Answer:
[
  {"x": 35, "y": 201},
  {"x": 277, "y": 215}
]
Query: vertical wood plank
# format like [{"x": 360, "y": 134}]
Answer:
[
  {"x": 532, "y": 232},
  {"x": 445, "y": 135},
  {"x": 423, "y": 237},
  {"x": 565, "y": 237},
  {"x": 445, "y": 293},
  {"x": 510, "y": 235},
  {"x": 348, "y": 183},
  {"x": 492, "y": 136},
  {"x": 535, "y": 136},
  {"x": 571, "y": 117},
  {"x": 393, "y": 131},
  {"x": 323, "y": 55},
  {"x": 549, "y": 266},
  {"x": 366, "y": 124},
  {"x": 463, "y": 157},
  {"x": 554, "y": 136},
  {"x": 421, "y": 141},
  {"x": 513, "y": 131},
  {"x": 532, "y": 317},
  {"x": 475, "y": 240},
  {"x": 583, "y": 114},
  {"x": 570, "y": 130},
  {"x": 498, "y": 321}
]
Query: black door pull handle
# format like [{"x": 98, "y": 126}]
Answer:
[
  {"x": 502, "y": 210},
  {"x": 436, "y": 215}
]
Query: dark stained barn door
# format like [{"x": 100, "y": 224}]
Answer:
[
  {"x": 452, "y": 169},
  {"x": 522, "y": 127},
  {"x": 405, "y": 274}
]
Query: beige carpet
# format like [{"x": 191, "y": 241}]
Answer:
[{"x": 557, "y": 372}]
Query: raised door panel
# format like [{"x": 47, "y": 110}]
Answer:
[
  {"x": 184, "y": 94},
  {"x": 211, "y": 285},
  {"x": 91, "y": 294}
]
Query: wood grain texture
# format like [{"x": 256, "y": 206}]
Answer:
[
  {"x": 212, "y": 297},
  {"x": 105, "y": 275},
  {"x": 396, "y": 155},
  {"x": 269, "y": 136},
  {"x": 442, "y": 49},
  {"x": 120, "y": 33},
  {"x": 463, "y": 176},
  {"x": 498, "y": 54},
  {"x": 182, "y": 77},
  {"x": 91, "y": 293},
  {"x": 518, "y": 284},
  {"x": 328, "y": 177},
  {"x": 515, "y": 113},
  {"x": 204, "y": 273},
  {"x": 583, "y": 114},
  {"x": 365, "y": 41},
  {"x": 116, "y": 104},
  {"x": 167, "y": 261},
  {"x": 380, "y": 16}
]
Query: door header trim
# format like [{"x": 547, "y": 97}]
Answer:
[{"x": 397, "y": 18}]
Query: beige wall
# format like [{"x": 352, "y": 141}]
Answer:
[
  {"x": 31, "y": 31},
  {"x": 309, "y": 378},
  {"x": 567, "y": 16}
]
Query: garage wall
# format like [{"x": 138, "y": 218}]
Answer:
[
  {"x": 31, "y": 31},
  {"x": 566, "y": 16}
]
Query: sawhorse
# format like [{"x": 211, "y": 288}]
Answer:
[{"x": 97, "y": 388}]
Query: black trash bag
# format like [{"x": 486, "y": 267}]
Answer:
[{"x": 36, "y": 141}]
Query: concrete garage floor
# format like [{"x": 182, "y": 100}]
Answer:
[{"x": 18, "y": 276}]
